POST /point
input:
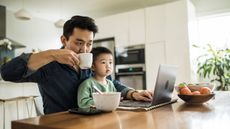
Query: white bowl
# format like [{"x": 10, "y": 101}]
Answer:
[{"x": 107, "y": 101}]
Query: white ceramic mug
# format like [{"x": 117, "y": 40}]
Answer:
[{"x": 86, "y": 60}]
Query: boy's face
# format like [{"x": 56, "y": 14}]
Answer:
[
  {"x": 80, "y": 41},
  {"x": 103, "y": 65}
]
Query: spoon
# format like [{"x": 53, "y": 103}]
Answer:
[{"x": 97, "y": 90}]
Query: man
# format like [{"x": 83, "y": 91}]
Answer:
[{"x": 57, "y": 72}]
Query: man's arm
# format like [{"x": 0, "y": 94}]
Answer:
[
  {"x": 21, "y": 67},
  {"x": 130, "y": 93},
  {"x": 15, "y": 69},
  {"x": 63, "y": 56},
  {"x": 37, "y": 60},
  {"x": 122, "y": 88}
]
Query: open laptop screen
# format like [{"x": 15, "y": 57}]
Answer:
[{"x": 164, "y": 84}]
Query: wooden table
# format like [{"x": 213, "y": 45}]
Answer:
[{"x": 212, "y": 115}]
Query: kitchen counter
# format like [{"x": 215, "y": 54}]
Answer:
[{"x": 12, "y": 90}]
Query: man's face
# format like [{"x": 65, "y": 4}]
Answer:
[{"x": 80, "y": 41}]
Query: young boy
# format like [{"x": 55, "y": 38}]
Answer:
[{"x": 102, "y": 67}]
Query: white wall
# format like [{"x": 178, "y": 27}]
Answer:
[{"x": 34, "y": 34}]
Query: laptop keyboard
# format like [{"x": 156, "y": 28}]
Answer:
[{"x": 131, "y": 103}]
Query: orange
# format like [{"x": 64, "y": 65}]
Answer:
[
  {"x": 185, "y": 91},
  {"x": 205, "y": 90},
  {"x": 182, "y": 85},
  {"x": 196, "y": 92}
]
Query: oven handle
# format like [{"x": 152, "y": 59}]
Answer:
[{"x": 130, "y": 73}]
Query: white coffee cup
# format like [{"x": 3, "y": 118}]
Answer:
[
  {"x": 107, "y": 101},
  {"x": 86, "y": 60}
]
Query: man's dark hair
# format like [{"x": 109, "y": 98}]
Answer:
[
  {"x": 81, "y": 22},
  {"x": 97, "y": 51}
]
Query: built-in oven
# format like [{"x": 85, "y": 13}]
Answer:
[
  {"x": 130, "y": 55},
  {"x": 132, "y": 75}
]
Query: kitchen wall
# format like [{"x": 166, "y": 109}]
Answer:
[{"x": 34, "y": 34}]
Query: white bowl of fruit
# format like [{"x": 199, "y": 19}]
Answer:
[{"x": 195, "y": 93}]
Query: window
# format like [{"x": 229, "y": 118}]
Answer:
[{"x": 214, "y": 30}]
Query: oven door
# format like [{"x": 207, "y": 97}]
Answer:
[{"x": 134, "y": 80}]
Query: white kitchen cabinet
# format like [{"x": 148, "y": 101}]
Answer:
[
  {"x": 114, "y": 26},
  {"x": 127, "y": 28},
  {"x": 169, "y": 23},
  {"x": 155, "y": 54},
  {"x": 136, "y": 27},
  {"x": 105, "y": 27},
  {"x": 155, "y": 23},
  {"x": 177, "y": 39},
  {"x": 121, "y": 30},
  {"x": 130, "y": 28}
]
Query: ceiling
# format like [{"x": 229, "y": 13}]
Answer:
[{"x": 53, "y": 10}]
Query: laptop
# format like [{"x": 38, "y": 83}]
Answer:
[{"x": 164, "y": 87}]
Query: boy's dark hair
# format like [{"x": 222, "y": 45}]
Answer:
[
  {"x": 98, "y": 51},
  {"x": 81, "y": 22}
]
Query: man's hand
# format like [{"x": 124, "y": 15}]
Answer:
[
  {"x": 143, "y": 95},
  {"x": 65, "y": 56}
]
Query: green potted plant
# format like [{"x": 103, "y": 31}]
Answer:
[{"x": 215, "y": 65}]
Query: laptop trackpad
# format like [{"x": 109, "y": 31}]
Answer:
[{"x": 131, "y": 103}]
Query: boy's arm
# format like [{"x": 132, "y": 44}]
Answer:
[{"x": 84, "y": 98}]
